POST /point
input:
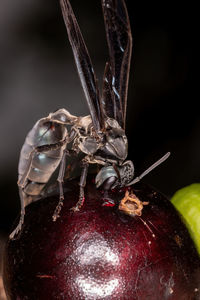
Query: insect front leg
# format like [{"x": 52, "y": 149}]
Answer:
[
  {"x": 107, "y": 185},
  {"x": 107, "y": 178},
  {"x": 82, "y": 184}
]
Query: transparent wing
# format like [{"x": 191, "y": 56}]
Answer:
[
  {"x": 116, "y": 75},
  {"x": 84, "y": 65}
]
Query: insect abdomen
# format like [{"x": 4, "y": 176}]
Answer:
[{"x": 42, "y": 164}]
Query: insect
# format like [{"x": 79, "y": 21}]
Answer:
[{"x": 100, "y": 136}]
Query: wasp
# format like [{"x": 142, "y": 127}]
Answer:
[{"x": 100, "y": 136}]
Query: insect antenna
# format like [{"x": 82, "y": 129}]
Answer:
[{"x": 157, "y": 163}]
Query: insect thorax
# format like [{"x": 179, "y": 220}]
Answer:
[
  {"x": 115, "y": 146},
  {"x": 109, "y": 144},
  {"x": 85, "y": 140}
]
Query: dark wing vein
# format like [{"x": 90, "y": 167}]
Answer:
[
  {"x": 116, "y": 76},
  {"x": 84, "y": 65}
]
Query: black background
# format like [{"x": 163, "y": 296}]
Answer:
[{"x": 37, "y": 75}]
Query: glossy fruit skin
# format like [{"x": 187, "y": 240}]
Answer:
[
  {"x": 187, "y": 202},
  {"x": 102, "y": 253}
]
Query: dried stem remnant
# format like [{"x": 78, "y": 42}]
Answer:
[{"x": 131, "y": 205}]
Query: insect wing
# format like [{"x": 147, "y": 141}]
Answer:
[
  {"x": 116, "y": 76},
  {"x": 84, "y": 65}
]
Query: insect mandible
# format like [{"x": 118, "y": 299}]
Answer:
[{"x": 100, "y": 136}]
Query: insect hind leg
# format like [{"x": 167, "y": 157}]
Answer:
[
  {"x": 17, "y": 230},
  {"x": 21, "y": 184}
]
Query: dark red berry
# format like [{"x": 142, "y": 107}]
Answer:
[{"x": 101, "y": 252}]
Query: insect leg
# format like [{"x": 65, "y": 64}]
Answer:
[
  {"x": 21, "y": 184},
  {"x": 82, "y": 184},
  {"x": 21, "y": 221},
  {"x": 107, "y": 185},
  {"x": 22, "y": 181},
  {"x": 60, "y": 182},
  {"x": 62, "y": 174},
  {"x": 25, "y": 198}
]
